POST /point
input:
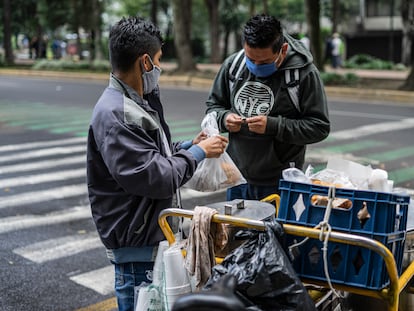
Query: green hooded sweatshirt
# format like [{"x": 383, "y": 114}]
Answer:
[{"x": 261, "y": 158}]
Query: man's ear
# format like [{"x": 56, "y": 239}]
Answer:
[
  {"x": 146, "y": 62},
  {"x": 284, "y": 48}
]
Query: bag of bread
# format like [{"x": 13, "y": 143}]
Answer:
[{"x": 214, "y": 174}]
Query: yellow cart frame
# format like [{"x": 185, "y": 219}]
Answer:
[{"x": 390, "y": 294}]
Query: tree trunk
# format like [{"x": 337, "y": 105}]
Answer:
[
  {"x": 335, "y": 15},
  {"x": 252, "y": 7},
  {"x": 213, "y": 16},
  {"x": 97, "y": 31},
  {"x": 407, "y": 15},
  {"x": 265, "y": 7},
  {"x": 8, "y": 50},
  {"x": 154, "y": 10},
  {"x": 182, "y": 35},
  {"x": 409, "y": 82},
  {"x": 312, "y": 9}
]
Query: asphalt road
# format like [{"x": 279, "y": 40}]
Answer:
[{"x": 50, "y": 256}]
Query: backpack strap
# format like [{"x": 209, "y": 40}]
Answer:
[
  {"x": 236, "y": 68},
  {"x": 292, "y": 83}
]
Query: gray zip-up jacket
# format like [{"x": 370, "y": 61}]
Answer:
[
  {"x": 133, "y": 172},
  {"x": 261, "y": 158}
]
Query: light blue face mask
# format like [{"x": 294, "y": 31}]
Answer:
[
  {"x": 150, "y": 78},
  {"x": 262, "y": 70}
]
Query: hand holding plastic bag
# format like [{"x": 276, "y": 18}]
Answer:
[{"x": 214, "y": 174}]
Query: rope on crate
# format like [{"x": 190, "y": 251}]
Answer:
[{"x": 324, "y": 237}]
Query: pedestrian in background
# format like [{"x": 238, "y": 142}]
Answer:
[
  {"x": 271, "y": 100},
  {"x": 336, "y": 51},
  {"x": 133, "y": 169}
]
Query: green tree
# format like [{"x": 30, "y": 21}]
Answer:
[
  {"x": 182, "y": 34},
  {"x": 407, "y": 12},
  {"x": 232, "y": 17},
  {"x": 213, "y": 17},
  {"x": 407, "y": 15},
  {"x": 9, "y": 59},
  {"x": 312, "y": 9}
]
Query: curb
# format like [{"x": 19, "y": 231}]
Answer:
[{"x": 197, "y": 82}]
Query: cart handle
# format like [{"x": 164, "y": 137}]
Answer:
[{"x": 219, "y": 218}]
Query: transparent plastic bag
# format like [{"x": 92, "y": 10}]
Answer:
[{"x": 214, "y": 174}]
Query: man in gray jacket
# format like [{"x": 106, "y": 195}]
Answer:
[
  {"x": 270, "y": 99},
  {"x": 133, "y": 169}
]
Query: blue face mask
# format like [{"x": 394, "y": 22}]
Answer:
[
  {"x": 262, "y": 70},
  {"x": 150, "y": 78}
]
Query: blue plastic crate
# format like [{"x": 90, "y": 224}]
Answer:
[
  {"x": 388, "y": 211},
  {"x": 347, "y": 264}
]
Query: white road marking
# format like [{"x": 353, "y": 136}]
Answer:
[
  {"x": 26, "y": 155},
  {"x": 366, "y": 115},
  {"x": 42, "y": 178},
  {"x": 32, "y": 166},
  {"x": 383, "y": 127},
  {"x": 22, "y": 222},
  {"x": 43, "y": 196},
  {"x": 101, "y": 280},
  {"x": 43, "y": 144},
  {"x": 53, "y": 249}
]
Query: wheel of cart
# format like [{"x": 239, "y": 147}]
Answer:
[{"x": 396, "y": 278}]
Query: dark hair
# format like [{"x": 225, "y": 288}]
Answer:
[
  {"x": 263, "y": 31},
  {"x": 130, "y": 38}
]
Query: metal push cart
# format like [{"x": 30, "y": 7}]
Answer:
[{"x": 390, "y": 294}]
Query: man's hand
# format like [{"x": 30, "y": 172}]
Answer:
[
  {"x": 233, "y": 122},
  {"x": 214, "y": 146},
  {"x": 200, "y": 136},
  {"x": 257, "y": 124}
]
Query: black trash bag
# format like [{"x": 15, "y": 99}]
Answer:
[{"x": 265, "y": 277}]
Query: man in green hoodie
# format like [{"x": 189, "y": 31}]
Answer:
[{"x": 270, "y": 98}]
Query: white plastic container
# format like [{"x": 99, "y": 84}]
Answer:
[{"x": 177, "y": 281}]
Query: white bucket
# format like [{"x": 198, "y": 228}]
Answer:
[
  {"x": 173, "y": 293},
  {"x": 175, "y": 273}
]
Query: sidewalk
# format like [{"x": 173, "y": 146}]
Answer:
[
  {"x": 332, "y": 92},
  {"x": 198, "y": 81}
]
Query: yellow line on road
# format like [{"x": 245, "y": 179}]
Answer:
[{"x": 106, "y": 305}]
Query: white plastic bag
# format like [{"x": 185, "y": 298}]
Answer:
[
  {"x": 149, "y": 298},
  {"x": 214, "y": 174}
]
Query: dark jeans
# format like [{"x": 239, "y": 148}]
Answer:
[
  {"x": 251, "y": 192},
  {"x": 127, "y": 276}
]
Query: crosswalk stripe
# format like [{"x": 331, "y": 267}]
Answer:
[
  {"x": 42, "y": 178},
  {"x": 101, "y": 280},
  {"x": 365, "y": 115},
  {"x": 53, "y": 249},
  {"x": 376, "y": 128},
  {"x": 355, "y": 146},
  {"x": 21, "y": 222},
  {"x": 42, "y": 144},
  {"x": 67, "y": 192},
  {"x": 32, "y": 166},
  {"x": 56, "y": 151},
  {"x": 393, "y": 154},
  {"x": 43, "y": 196}
]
